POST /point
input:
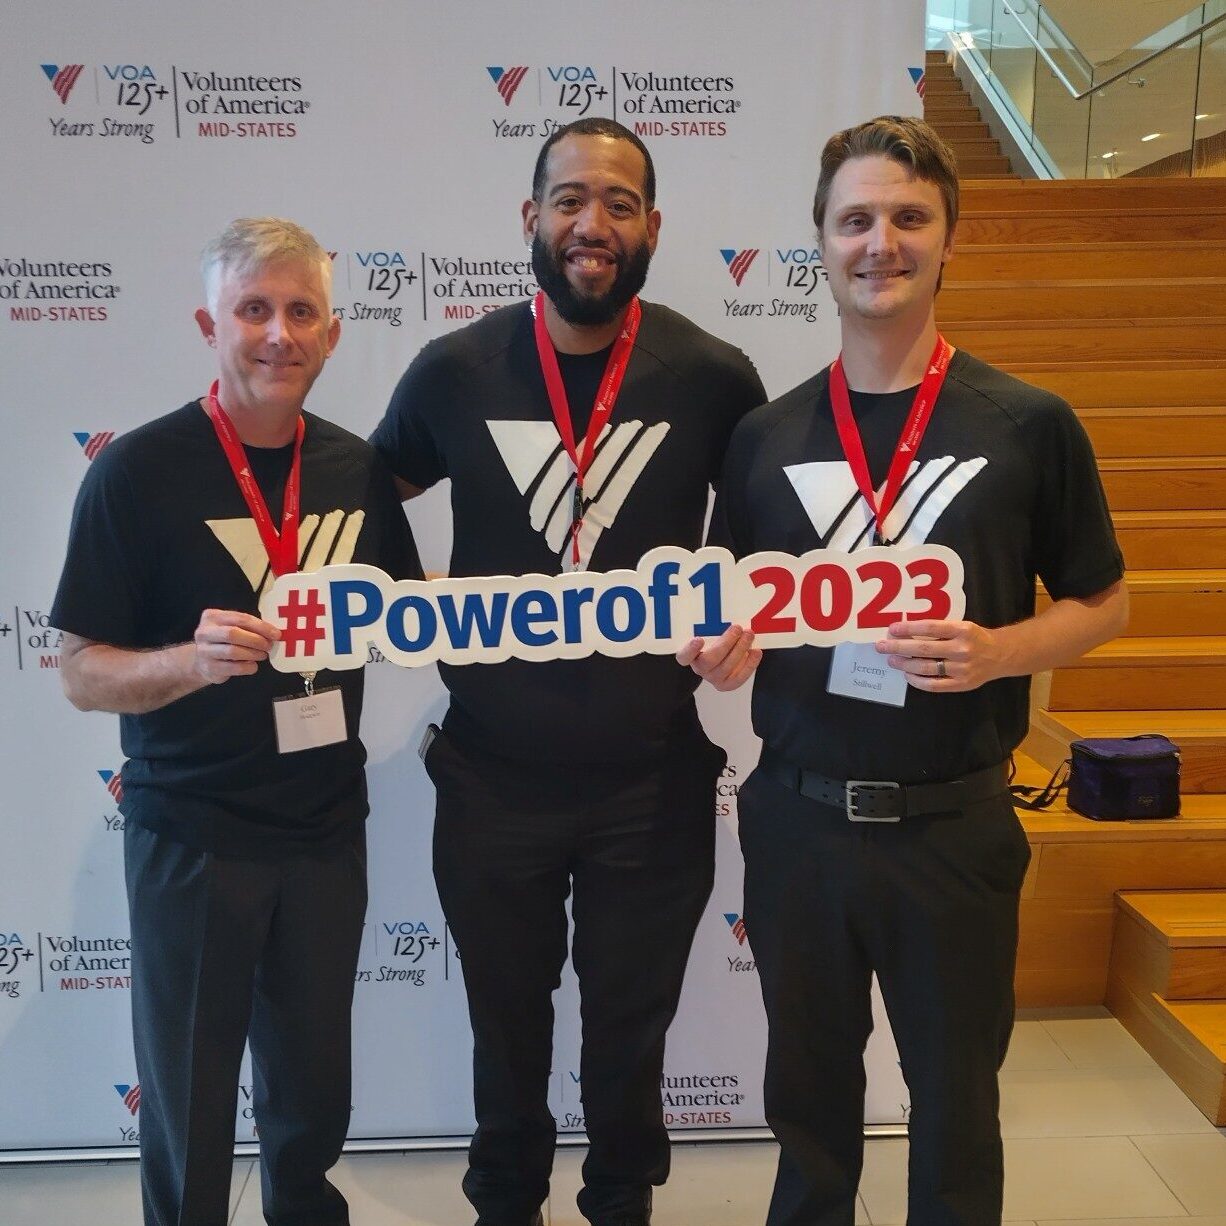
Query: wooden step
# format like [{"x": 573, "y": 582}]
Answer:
[
  {"x": 966, "y": 147},
  {"x": 1166, "y": 982},
  {"x": 974, "y": 302},
  {"x": 1141, "y": 382},
  {"x": 1156, "y": 540},
  {"x": 1144, "y": 674},
  {"x": 1013, "y": 227},
  {"x": 1076, "y": 868},
  {"x": 1171, "y": 602},
  {"x": 984, "y": 164},
  {"x": 1187, "y": 929},
  {"x": 1090, "y": 262},
  {"x": 1166, "y": 483},
  {"x": 967, "y": 129},
  {"x": 939, "y": 85},
  {"x": 1139, "y": 430},
  {"x": 1096, "y": 341},
  {"x": 1187, "y": 1038},
  {"x": 1200, "y": 735},
  {"x": 1065, "y": 197},
  {"x": 962, "y": 114},
  {"x": 955, "y": 109}
]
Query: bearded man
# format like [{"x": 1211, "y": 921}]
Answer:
[{"x": 578, "y": 432}]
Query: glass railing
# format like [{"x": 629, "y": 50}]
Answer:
[{"x": 1098, "y": 88}]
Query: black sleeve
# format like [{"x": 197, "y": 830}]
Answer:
[
  {"x": 729, "y": 521},
  {"x": 741, "y": 390},
  {"x": 397, "y": 554},
  {"x": 404, "y": 438},
  {"x": 1076, "y": 553},
  {"x": 106, "y": 577}
]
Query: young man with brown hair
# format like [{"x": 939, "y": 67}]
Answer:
[{"x": 915, "y": 874}]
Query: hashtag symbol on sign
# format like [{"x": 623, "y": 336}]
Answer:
[{"x": 301, "y": 622}]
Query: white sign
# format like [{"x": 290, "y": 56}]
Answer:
[{"x": 330, "y": 618}]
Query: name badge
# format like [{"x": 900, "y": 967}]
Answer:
[
  {"x": 307, "y": 721},
  {"x": 857, "y": 671}
]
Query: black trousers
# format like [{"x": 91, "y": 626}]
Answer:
[
  {"x": 636, "y": 847},
  {"x": 229, "y": 950},
  {"x": 929, "y": 904}
]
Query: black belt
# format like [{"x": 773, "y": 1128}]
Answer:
[{"x": 876, "y": 800}]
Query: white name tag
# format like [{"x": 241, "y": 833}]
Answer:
[
  {"x": 857, "y": 671},
  {"x": 307, "y": 721}
]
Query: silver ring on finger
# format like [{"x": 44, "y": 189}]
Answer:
[{"x": 942, "y": 672}]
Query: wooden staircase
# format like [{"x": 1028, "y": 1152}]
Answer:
[
  {"x": 1053, "y": 281},
  {"x": 1167, "y": 984},
  {"x": 949, "y": 109},
  {"x": 1113, "y": 295}
]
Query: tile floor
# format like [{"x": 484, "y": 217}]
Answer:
[{"x": 1095, "y": 1134}]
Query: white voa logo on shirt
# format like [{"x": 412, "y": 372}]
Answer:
[
  {"x": 543, "y": 473},
  {"x": 322, "y": 540},
  {"x": 831, "y": 499}
]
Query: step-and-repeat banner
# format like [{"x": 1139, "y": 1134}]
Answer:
[{"x": 403, "y": 136}]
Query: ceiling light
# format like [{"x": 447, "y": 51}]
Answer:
[
  {"x": 1152, "y": 136},
  {"x": 1111, "y": 154}
]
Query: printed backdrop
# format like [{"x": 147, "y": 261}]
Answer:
[{"x": 404, "y": 136}]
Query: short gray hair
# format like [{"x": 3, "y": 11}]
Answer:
[{"x": 249, "y": 242}]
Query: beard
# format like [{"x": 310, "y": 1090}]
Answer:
[{"x": 589, "y": 310}]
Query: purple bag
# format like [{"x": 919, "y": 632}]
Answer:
[{"x": 1123, "y": 778}]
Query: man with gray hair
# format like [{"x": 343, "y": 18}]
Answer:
[{"x": 244, "y": 793}]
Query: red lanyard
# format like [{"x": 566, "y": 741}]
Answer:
[
  {"x": 908, "y": 441},
  {"x": 602, "y": 409},
  {"x": 282, "y": 548}
]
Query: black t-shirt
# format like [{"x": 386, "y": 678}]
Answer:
[
  {"x": 473, "y": 408},
  {"x": 1004, "y": 476},
  {"x": 160, "y": 532}
]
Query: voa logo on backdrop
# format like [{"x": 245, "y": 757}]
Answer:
[
  {"x": 649, "y": 101},
  {"x": 777, "y": 282},
  {"x": 85, "y": 962},
  {"x": 391, "y": 283},
  {"x": 129, "y": 1096},
  {"x": 703, "y": 1098},
  {"x": 221, "y": 105},
  {"x": 739, "y": 962},
  {"x": 140, "y": 102},
  {"x": 78, "y": 962},
  {"x": 385, "y": 281},
  {"x": 112, "y": 781},
  {"x": 663, "y": 102},
  {"x": 409, "y": 952},
  {"x": 30, "y": 640},
  {"x": 41, "y": 290},
  {"x": 16, "y": 955},
  {"x": 115, "y": 101},
  {"x": 534, "y": 102}
]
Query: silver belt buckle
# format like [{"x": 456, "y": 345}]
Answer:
[{"x": 850, "y": 799}]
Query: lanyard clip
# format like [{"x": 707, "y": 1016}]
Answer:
[{"x": 308, "y": 679}]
